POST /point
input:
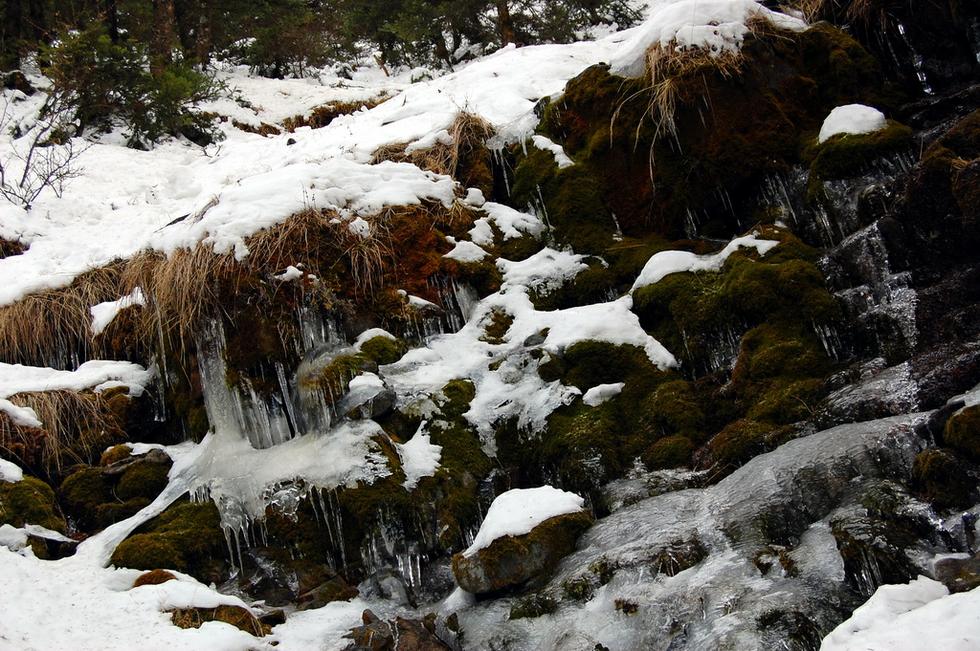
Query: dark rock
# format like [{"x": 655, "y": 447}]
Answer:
[
  {"x": 396, "y": 635},
  {"x": 959, "y": 574},
  {"x": 16, "y": 80},
  {"x": 512, "y": 561}
]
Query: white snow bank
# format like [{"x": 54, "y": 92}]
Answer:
[
  {"x": 665, "y": 263},
  {"x": 518, "y": 511},
  {"x": 10, "y": 471},
  {"x": 918, "y": 615},
  {"x": 602, "y": 393},
  {"x": 97, "y": 374},
  {"x": 420, "y": 457},
  {"x": 546, "y": 144},
  {"x": 853, "y": 119},
  {"x": 104, "y": 313},
  {"x": 717, "y": 26}
]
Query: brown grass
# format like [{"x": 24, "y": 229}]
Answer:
[
  {"x": 870, "y": 14},
  {"x": 468, "y": 133},
  {"x": 323, "y": 115},
  {"x": 34, "y": 329},
  {"x": 75, "y": 426}
]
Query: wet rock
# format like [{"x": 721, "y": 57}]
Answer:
[
  {"x": 512, "y": 561},
  {"x": 945, "y": 480},
  {"x": 959, "y": 574},
  {"x": 396, "y": 635}
]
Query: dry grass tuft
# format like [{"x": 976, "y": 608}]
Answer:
[
  {"x": 52, "y": 325},
  {"x": 467, "y": 133},
  {"x": 75, "y": 426},
  {"x": 321, "y": 116},
  {"x": 869, "y": 14}
]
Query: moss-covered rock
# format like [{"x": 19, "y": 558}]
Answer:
[
  {"x": 669, "y": 452},
  {"x": 962, "y": 432},
  {"x": 533, "y": 605},
  {"x": 383, "y": 350},
  {"x": 186, "y": 537},
  {"x": 154, "y": 577},
  {"x": 30, "y": 501},
  {"x": 143, "y": 479},
  {"x": 944, "y": 480},
  {"x": 740, "y": 441},
  {"x": 83, "y": 493},
  {"x": 847, "y": 155},
  {"x": 512, "y": 561}
]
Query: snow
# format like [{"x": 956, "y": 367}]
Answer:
[
  {"x": 520, "y": 510},
  {"x": 852, "y": 119},
  {"x": 716, "y": 26},
  {"x": 546, "y": 144},
  {"x": 917, "y": 615},
  {"x": 96, "y": 374},
  {"x": 544, "y": 271},
  {"x": 10, "y": 472},
  {"x": 602, "y": 393},
  {"x": 420, "y": 457},
  {"x": 664, "y": 263},
  {"x": 291, "y": 273},
  {"x": 465, "y": 251},
  {"x": 104, "y": 313},
  {"x": 372, "y": 333}
]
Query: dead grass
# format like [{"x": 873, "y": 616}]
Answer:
[
  {"x": 869, "y": 14},
  {"x": 45, "y": 327},
  {"x": 323, "y": 115},
  {"x": 75, "y": 426},
  {"x": 467, "y": 133}
]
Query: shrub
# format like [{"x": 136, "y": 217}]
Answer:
[{"x": 107, "y": 83}]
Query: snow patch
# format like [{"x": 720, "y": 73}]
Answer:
[
  {"x": 520, "y": 510},
  {"x": 602, "y": 393},
  {"x": 852, "y": 119},
  {"x": 420, "y": 457},
  {"x": 546, "y": 144},
  {"x": 10, "y": 472},
  {"x": 104, "y": 313},
  {"x": 671, "y": 262}
]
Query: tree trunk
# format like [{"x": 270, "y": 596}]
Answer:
[
  {"x": 504, "y": 23},
  {"x": 162, "y": 44},
  {"x": 112, "y": 19}
]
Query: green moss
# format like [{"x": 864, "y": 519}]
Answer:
[
  {"x": 233, "y": 615},
  {"x": 943, "y": 479},
  {"x": 333, "y": 379},
  {"x": 143, "y": 479},
  {"x": 383, "y": 350},
  {"x": 532, "y": 606},
  {"x": 675, "y": 407},
  {"x": 962, "y": 432},
  {"x": 669, "y": 452},
  {"x": 847, "y": 155},
  {"x": 83, "y": 492},
  {"x": 739, "y": 442},
  {"x": 578, "y": 589},
  {"x": 186, "y": 537},
  {"x": 29, "y": 501},
  {"x": 116, "y": 453}
]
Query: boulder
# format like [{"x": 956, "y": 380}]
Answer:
[
  {"x": 395, "y": 635},
  {"x": 513, "y": 561}
]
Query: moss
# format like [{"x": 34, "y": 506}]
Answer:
[
  {"x": 495, "y": 331},
  {"x": 143, "y": 479},
  {"x": 532, "y": 606},
  {"x": 30, "y": 501},
  {"x": 675, "y": 408},
  {"x": 626, "y": 607},
  {"x": 943, "y": 479},
  {"x": 739, "y": 442},
  {"x": 333, "y": 378},
  {"x": 153, "y": 577},
  {"x": 962, "y": 432},
  {"x": 233, "y": 615},
  {"x": 186, "y": 537},
  {"x": 669, "y": 452},
  {"x": 578, "y": 589},
  {"x": 83, "y": 492},
  {"x": 116, "y": 453},
  {"x": 847, "y": 155},
  {"x": 383, "y": 350}
]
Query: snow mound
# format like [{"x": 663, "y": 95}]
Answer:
[
  {"x": 665, "y": 263},
  {"x": 716, "y": 26},
  {"x": 518, "y": 511},
  {"x": 852, "y": 119},
  {"x": 104, "y": 313},
  {"x": 10, "y": 472},
  {"x": 601, "y": 393},
  {"x": 918, "y": 615}
]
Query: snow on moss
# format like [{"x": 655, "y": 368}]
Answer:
[
  {"x": 665, "y": 263},
  {"x": 852, "y": 119},
  {"x": 520, "y": 510}
]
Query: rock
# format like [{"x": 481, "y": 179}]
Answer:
[
  {"x": 397, "y": 635},
  {"x": 16, "y": 80},
  {"x": 29, "y": 501},
  {"x": 336, "y": 589},
  {"x": 513, "y": 561},
  {"x": 959, "y": 574}
]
